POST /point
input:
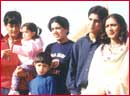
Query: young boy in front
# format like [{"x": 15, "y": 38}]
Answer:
[{"x": 43, "y": 83}]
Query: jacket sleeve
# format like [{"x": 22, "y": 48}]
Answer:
[
  {"x": 28, "y": 49},
  {"x": 51, "y": 85},
  {"x": 71, "y": 76}
]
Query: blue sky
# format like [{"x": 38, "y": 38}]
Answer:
[{"x": 76, "y": 12}]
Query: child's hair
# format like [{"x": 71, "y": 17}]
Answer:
[
  {"x": 12, "y": 17},
  {"x": 43, "y": 57},
  {"x": 33, "y": 28}
]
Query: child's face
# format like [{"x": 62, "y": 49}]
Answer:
[
  {"x": 27, "y": 34},
  {"x": 12, "y": 29},
  {"x": 41, "y": 68}
]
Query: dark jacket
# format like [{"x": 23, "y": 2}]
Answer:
[{"x": 80, "y": 60}]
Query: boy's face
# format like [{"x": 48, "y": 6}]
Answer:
[
  {"x": 41, "y": 68},
  {"x": 94, "y": 23},
  {"x": 12, "y": 29}
]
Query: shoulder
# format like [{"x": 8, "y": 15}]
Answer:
[
  {"x": 33, "y": 80},
  {"x": 81, "y": 42},
  {"x": 49, "y": 77},
  {"x": 101, "y": 47},
  {"x": 70, "y": 41},
  {"x": 51, "y": 44},
  {"x": 38, "y": 40},
  {"x": 81, "y": 39}
]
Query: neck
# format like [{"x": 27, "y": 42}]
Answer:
[
  {"x": 115, "y": 43},
  {"x": 92, "y": 37},
  {"x": 11, "y": 38},
  {"x": 63, "y": 40}
]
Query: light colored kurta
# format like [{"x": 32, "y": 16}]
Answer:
[{"x": 108, "y": 73}]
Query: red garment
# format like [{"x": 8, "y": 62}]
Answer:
[{"x": 8, "y": 65}]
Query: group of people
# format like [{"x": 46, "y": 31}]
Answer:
[{"x": 97, "y": 63}]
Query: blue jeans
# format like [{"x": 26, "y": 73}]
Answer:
[{"x": 5, "y": 91}]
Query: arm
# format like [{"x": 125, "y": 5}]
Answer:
[
  {"x": 71, "y": 76},
  {"x": 5, "y": 53},
  {"x": 51, "y": 85},
  {"x": 28, "y": 48}
]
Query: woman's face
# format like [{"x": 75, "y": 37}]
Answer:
[
  {"x": 58, "y": 31},
  {"x": 112, "y": 28},
  {"x": 13, "y": 29}
]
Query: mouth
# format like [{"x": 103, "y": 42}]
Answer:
[{"x": 111, "y": 33}]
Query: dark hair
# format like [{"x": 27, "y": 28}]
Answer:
[
  {"x": 12, "y": 17},
  {"x": 42, "y": 57},
  {"x": 60, "y": 20},
  {"x": 33, "y": 28},
  {"x": 123, "y": 32},
  {"x": 102, "y": 12}
]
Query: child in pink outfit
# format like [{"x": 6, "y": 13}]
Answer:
[{"x": 31, "y": 46}]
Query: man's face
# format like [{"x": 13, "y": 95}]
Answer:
[
  {"x": 94, "y": 23},
  {"x": 12, "y": 29}
]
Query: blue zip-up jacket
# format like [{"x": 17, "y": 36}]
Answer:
[
  {"x": 80, "y": 60},
  {"x": 42, "y": 84}
]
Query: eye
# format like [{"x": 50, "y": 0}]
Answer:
[
  {"x": 114, "y": 25},
  {"x": 90, "y": 19},
  {"x": 106, "y": 26}
]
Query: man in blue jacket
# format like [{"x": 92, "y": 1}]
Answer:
[{"x": 83, "y": 51}]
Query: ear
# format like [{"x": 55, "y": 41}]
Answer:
[
  {"x": 34, "y": 64},
  {"x": 67, "y": 31},
  {"x": 34, "y": 33}
]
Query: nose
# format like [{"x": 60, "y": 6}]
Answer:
[
  {"x": 41, "y": 68},
  {"x": 109, "y": 28},
  {"x": 92, "y": 24},
  {"x": 54, "y": 30},
  {"x": 14, "y": 28}
]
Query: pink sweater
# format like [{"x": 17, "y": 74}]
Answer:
[{"x": 28, "y": 50}]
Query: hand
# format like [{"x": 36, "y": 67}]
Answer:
[
  {"x": 55, "y": 63},
  {"x": 20, "y": 72},
  {"x": 5, "y": 53}
]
